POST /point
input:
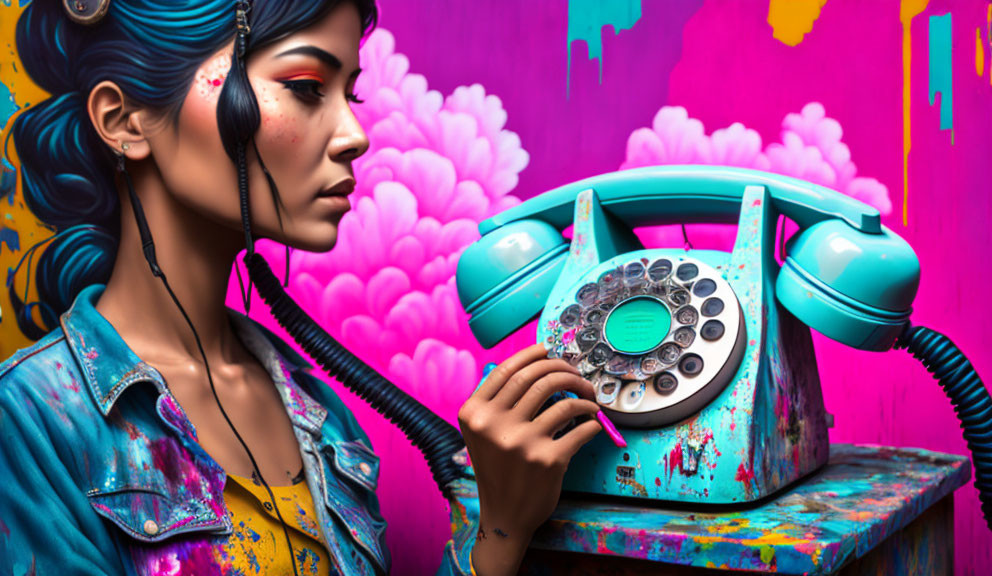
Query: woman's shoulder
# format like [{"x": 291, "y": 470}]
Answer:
[{"x": 38, "y": 366}]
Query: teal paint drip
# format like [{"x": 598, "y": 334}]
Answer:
[
  {"x": 940, "y": 68},
  {"x": 7, "y": 181},
  {"x": 586, "y": 19}
]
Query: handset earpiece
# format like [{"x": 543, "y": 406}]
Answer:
[
  {"x": 851, "y": 286},
  {"x": 505, "y": 278}
]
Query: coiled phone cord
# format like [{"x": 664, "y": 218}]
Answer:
[
  {"x": 434, "y": 437},
  {"x": 438, "y": 440},
  {"x": 968, "y": 395}
]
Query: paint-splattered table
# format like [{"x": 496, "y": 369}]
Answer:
[{"x": 871, "y": 510}]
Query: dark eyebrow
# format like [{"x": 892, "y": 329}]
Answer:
[{"x": 327, "y": 58}]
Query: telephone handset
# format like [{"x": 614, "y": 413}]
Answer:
[{"x": 705, "y": 357}]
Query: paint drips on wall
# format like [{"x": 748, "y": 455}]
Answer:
[
  {"x": 979, "y": 52},
  {"x": 980, "y": 41},
  {"x": 940, "y": 70},
  {"x": 586, "y": 19},
  {"x": 791, "y": 20},
  {"x": 9, "y": 237},
  {"x": 908, "y": 10}
]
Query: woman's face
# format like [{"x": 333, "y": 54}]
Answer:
[{"x": 307, "y": 139}]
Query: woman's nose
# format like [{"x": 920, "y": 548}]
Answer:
[{"x": 349, "y": 140}]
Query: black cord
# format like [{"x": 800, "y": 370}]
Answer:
[
  {"x": 148, "y": 248},
  {"x": 967, "y": 394}
]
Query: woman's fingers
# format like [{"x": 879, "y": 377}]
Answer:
[
  {"x": 526, "y": 378},
  {"x": 539, "y": 392},
  {"x": 498, "y": 377},
  {"x": 578, "y": 437},
  {"x": 558, "y": 414}
]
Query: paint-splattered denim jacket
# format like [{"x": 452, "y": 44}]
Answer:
[{"x": 100, "y": 471}]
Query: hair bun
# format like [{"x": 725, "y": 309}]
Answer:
[{"x": 86, "y": 12}]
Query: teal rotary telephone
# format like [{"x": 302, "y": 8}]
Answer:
[{"x": 704, "y": 358}]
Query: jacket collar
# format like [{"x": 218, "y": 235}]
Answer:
[{"x": 109, "y": 366}]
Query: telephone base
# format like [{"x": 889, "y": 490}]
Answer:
[{"x": 870, "y": 510}]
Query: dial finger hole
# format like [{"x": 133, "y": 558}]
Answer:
[
  {"x": 691, "y": 365},
  {"x": 704, "y": 288},
  {"x": 669, "y": 353},
  {"x": 607, "y": 388},
  {"x": 687, "y": 271},
  {"x": 678, "y": 297},
  {"x": 684, "y": 336},
  {"x": 587, "y": 294},
  {"x": 587, "y": 338},
  {"x": 593, "y": 317},
  {"x": 633, "y": 274},
  {"x": 651, "y": 365},
  {"x": 687, "y": 315},
  {"x": 600, "y": 355},
  {"x": 659, "y": 269},
  {"x": 712, "y": 306},
  {"x": 633, "y": 393},
  {"x": 570, "y": 316},
  {"x": 666, "y": 383},
  {"x": 712, "y": 330}
]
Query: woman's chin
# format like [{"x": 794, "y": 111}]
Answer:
[{"x": 323, "y": 243}]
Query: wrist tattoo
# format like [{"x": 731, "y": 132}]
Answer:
[{"x": 481, "y": 535}]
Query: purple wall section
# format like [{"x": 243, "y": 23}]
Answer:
[{"x": 720, "y": 61}]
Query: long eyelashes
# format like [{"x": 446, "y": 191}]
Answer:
[{"x": 307, "y": 90}]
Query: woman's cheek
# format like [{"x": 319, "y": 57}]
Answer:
[
  {"x": 278, "y": 127},
  {"x": 210, "y": 78}
]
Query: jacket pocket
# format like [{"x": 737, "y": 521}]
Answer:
[
  {"x": 357, "y": 463},
  {"x": 351, "y": 472},
  {"x": 148, "y": 515}
]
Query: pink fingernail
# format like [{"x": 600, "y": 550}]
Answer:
[{"x": 611, "y": 430}]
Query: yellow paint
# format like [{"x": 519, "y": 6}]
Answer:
[
  {"x": 979, "y": 52},
  {"x": 735, "y": 525},
  {"x": 908, "y": 10},
  {"x": 18, "y": 217},
  {"x": 791, "y": 20},
  {"x": 767, "y": 554},
  {"x": 771, "y": 539}
]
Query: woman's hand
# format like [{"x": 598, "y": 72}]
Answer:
[{"x": 518, "y": 464}]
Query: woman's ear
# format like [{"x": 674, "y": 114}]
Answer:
[{"x": 115, "y": 124}]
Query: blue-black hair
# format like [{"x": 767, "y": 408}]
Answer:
[{"x": 151, "y": 49}]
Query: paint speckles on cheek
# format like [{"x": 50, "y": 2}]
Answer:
[{"x": 210, "y": 77}]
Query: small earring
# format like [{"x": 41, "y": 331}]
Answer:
[{"x": 125, "y": 146}]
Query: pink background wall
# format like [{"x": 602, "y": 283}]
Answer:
[{"x": 720, "y": 61}]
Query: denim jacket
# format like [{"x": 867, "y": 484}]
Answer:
[{"x": 102, "y": 474}]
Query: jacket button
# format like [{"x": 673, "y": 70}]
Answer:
[
  {"x": 151, "y": 528},
  {"x": 268, "y": 506},
  {"x": 365, "y": 468}
]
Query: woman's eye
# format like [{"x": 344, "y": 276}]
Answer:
[
  {"x": 354, "y": 98},
  {"x": 306, "y": 89}
]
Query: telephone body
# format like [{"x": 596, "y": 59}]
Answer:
[{"x": 694, "y": 354}]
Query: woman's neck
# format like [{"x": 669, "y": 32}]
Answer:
[{"x": 195, "y": 255}]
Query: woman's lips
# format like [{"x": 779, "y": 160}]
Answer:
[{"x": 339, "y": 190}]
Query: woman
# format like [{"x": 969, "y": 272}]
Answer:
[{"x": 154, "y": 431}]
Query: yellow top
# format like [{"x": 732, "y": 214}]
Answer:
[{"x": 258, "y": 544}]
